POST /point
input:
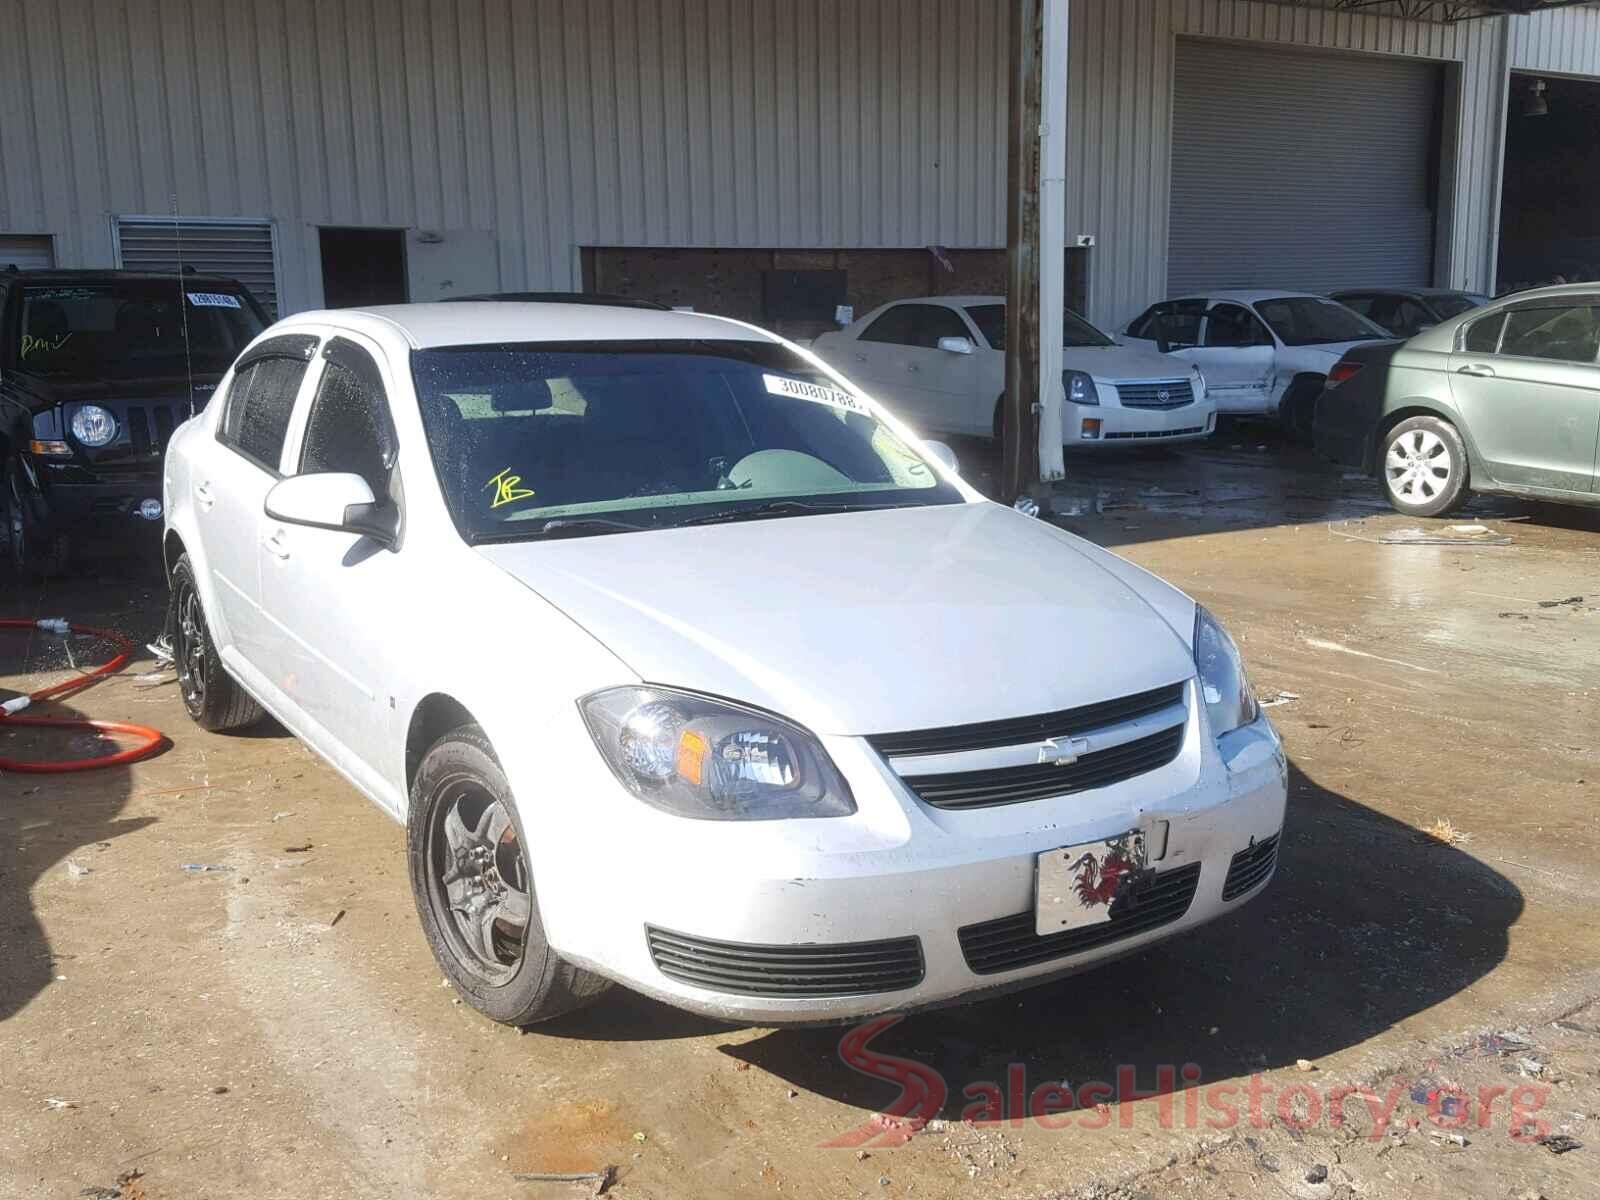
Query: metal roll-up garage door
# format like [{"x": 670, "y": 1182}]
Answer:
[
  {"x": 239, "y": 249},
  {"x": 1300, "y": 170}
]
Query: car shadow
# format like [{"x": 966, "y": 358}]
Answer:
[
  {"x": 1366, "y": 924},
  {"x": 44, "y": 821}
]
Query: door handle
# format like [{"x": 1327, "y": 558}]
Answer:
[
  {"x": 1479, "y": 369},
  {"x": 861, "y": 357},
  {"x": 203, "y": 496},
  {"x": 912, "y": 367},
  {"x": 275, "y": 545}
]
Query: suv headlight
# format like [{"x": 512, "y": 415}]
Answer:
[
  {"x": 1079, "y": 387},
  {"x": 713, "y": 761},
  {"x": 93, "y": 426},
  {"x": 1223, "y": 685}
]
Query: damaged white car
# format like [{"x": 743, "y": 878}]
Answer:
[{"x": 689, "y": 668}]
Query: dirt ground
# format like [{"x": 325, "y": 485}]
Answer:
[{"x": 275, "y": 1027}]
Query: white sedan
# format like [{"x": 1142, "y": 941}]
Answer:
[
  {"x": 688, "y": 667},
  {"x": 939, "y": 363},
  {"x": 1263, "y": 352}
]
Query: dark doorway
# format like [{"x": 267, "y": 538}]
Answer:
[
  {"x": 1549, "y": 223},
  {"x": 362, "y": 267}
]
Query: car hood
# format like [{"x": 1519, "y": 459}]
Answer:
[
  {"x": 858, "y": 623},
  {"x": 1122, "y": 364},
  {"x": 42, "y": 391}
]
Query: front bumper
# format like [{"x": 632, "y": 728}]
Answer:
[
  {"x": 895, "y": 871},
  {"x": 73, "y": 496},
  {"x": 1085, "y": 426}
]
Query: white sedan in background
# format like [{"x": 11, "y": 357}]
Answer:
[
  {"x": 688, "y": 667},
  {"x": 939, "y": 363},
  {"x": 1264, "y": 353}
]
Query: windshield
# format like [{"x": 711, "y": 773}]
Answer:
[
  {"x": 129, "y": 328},
  {"x": 565, "y": 439},
  {"x": 1455, "y": 303},
  {"x": 991, "y": 322},
  {"x": 1312, "y": 321}
]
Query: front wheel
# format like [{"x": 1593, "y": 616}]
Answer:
[
  {"x": 213, "y": 698},
  {"x": 31, "y": 552},
  {"x": 474, "y": 888},
  {"x": 1424, "y": 464}
]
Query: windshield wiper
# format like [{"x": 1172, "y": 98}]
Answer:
[
  {"x": 781, "y": 508},
  {"x": 560, "y": 527}
]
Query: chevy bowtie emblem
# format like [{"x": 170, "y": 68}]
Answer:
[
  {"x": 1163, "y": 395},
  {"x": 1062, "y": 752}
]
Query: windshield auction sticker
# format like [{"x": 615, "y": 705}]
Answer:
[
  {"x": 799, "y": 390},
  {"x": 213, "y": 300}
]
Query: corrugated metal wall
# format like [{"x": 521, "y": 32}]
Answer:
[
  {"x": 561, "y": 123},
  {"x": 555, "y": 123},
  {"x": 1564, "y": 41}
]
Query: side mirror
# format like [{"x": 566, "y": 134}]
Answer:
[
  {"x": 945, "y": 455},
  {"x": 955, "y": 345},
  {"x": 337, "y": 501}
]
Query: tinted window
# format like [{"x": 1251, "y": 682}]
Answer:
[
  {"x": 573, "y": 438},
  {"x": 132, "y": 327},
  {"x": 1231, "y": 325},
  {"x": 920, "y": 325},
  {"x": 349, "y": 428},
  {"x": 1312, "y": 321},
  {"x": 1483, "y": 336},
  {"x": 1562, "y": 334},
  {"x": 1455, "y": 303},
  {"x": 1361, "y": 304},
  {"x": 1176, "y": 322},
  {"x": 1075, "y": 331},
  {"x": 259, "y": 403}
]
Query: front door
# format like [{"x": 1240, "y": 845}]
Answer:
[
  {"x": 1237, "y": 355},
  {"x": 1526, "y": 383},
  {"x": 326, "y": 594}
]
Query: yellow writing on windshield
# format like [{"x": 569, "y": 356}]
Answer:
[
  {"x": 48, "y": 345},
  {"x": 507, "y": 488}
]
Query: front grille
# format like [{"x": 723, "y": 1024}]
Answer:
[
  {"x": 1014, "y": 785},
  {"x": 1143, "y": 434},
  {"x": 1014, "y": 731},
  {"x": 840, "y": 969},
  {"x": 150, "y": 426},
  {"x": 1011, "y": 943},
  {"x": 1173, "y": 393},
  {"x": 1250, "y": 868}
]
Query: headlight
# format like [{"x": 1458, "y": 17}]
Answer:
[
  {"x": 713, "y": 761},
  {"x": 93, "y": 426},
  {"x": 1079, "y": 387},
  {"x": 1229, "y": 701}
]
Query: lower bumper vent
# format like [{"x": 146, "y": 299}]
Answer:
[
  {"x": 1250, "y": 868},
  {"x": 839, "y": 969},
  {"x": 1011, "y": 943}
]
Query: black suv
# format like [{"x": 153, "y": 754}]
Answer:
[{"x": 97, "y": 368}]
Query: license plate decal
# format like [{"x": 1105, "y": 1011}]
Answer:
[{"x": 1076, "y": 886}]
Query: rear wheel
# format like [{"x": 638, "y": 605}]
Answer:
[
  {"x": 1424, "y": 467},
  {"x": 31, "y": 552},
  {"x": 1298, "y": 409},
  {"x": 212, "y": 697},
  {"x": 474, "y": 889}
]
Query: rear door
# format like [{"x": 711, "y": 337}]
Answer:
[
  {"x": 1526, "y": 383},
  {"x": 229, "y": 478}
]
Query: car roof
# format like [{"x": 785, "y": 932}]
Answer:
[
  {"x": 490, "y": 322},
  {"x": 1248, "y": 295},
  {"x": 599, "y": 299},
  {"x": 950, "y": 301},
  {"x": 1403, "y": 291},
  {"x": 1554, "y": 292},
  {"x": 112, "y": 276}
]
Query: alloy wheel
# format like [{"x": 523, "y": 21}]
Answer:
[
  {"x": 1418, "y": 466},
  {"x": 479, "y": 879},
  {"x": 189, "y": 650}
]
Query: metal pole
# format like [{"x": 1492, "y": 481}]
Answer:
[
  {"x": 1019, "y": 467},
  {"x": 1052, "y": 239}
]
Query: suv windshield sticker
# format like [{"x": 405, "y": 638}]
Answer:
[
  {"x": 797, "y": 390},
  {"x": 507, "y": 489},
  {"x": 48, "y": 345},
  {"x": 213, "y": 300}
]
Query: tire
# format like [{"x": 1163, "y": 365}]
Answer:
[
  {"x": 30, "y": 552},
  {"x": 474, "y": 890},
  {"x": 1298, "y": 408},
  {"x": 212, "y": 697},
  {"x": 1423, "y": 465},
  {"x": 1000, "y": 422}
]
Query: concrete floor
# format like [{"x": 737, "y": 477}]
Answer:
[{"x": 278, "y": 1028}]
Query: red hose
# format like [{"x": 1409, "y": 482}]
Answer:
[{"x": 150, "y": 741}]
